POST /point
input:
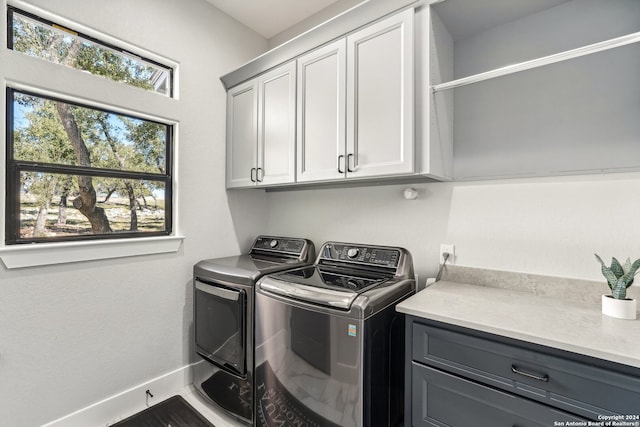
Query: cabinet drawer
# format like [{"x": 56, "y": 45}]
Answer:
[
  {"x": 441, "y": 399},
  {"x": 574, "y": 386}
]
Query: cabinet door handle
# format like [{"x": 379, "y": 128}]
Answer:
[
  {"x": 349, "y": 157},
  {"x": 258, "y": 171},
  {"x": 544, "y": 378},
  {"x": 341, "y": 156},
  {"x": 252, "y": 172}
]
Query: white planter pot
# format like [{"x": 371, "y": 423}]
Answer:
[{"x": 619, "y": 308}]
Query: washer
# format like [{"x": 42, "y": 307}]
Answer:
[
  {"x": 224, "y": 318},
  {"x": 329, "y": 342}
]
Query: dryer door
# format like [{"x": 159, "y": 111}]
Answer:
[{"x": 219, "y": 318}]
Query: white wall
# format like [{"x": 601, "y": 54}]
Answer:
[
  {"x": 325, "y": 14},
  {"x": 547, "y": 226},
  {"x": 73, "y": 334}
]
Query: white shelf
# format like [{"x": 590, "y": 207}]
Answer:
[
  {"x": 540, "y": 62},
  {"x": 564, "y": 118}
]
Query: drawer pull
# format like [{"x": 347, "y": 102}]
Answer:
[{"x": 544, "y": 378}]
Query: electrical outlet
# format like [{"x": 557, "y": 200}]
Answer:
[{"x": 451, "y": 250}]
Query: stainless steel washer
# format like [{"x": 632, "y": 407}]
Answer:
[
  {"x": 329, "y": 343},
  {"x": 224, "y": 318}
]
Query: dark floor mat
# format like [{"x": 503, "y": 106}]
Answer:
[{"x": 173, "y": 412}]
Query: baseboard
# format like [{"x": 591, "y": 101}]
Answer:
[{"x": 128, "y": 402}]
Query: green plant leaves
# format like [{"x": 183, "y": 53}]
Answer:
[
  {"x": 619, "y": 290},
  {"x": 619, "y": 277},
  {"x": 628, "y": 276},
  {"x": 634, "y": 267},
  {"x": 616, "y": 267}
]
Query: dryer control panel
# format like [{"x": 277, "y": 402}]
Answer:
[{"x": 279, "y": 244}]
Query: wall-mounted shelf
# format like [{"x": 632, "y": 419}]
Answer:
[
  {"x": 562, "y": 116},
  {"x": 540, "y": 62}
]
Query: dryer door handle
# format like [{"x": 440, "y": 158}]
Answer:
[{"x": 218, "y": 291}]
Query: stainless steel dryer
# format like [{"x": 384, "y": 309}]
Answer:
[
  {"x": 224, "y": 318},
  {"x": 329, "y": 343}
]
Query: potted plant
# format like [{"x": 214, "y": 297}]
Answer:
[{"x": 619, "y": 278}]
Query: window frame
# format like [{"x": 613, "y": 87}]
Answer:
[
  {"x": 12, "y": 9},
  {"x": 23, "y": 73},
  {"x": 15, "y": 167}
]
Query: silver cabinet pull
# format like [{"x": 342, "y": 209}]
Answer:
[
  {"x": 341, "y": 156},
  {"x": 544, "y": 378},
  {"x": 251, "y": 177},
  {"x": 258, "y": 171},
  {"x": 349, "y": 157}
]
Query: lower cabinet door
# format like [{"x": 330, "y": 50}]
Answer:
[{"x": 441, "y": 399}]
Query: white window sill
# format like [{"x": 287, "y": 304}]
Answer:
[{"x": 19, "y": 256}]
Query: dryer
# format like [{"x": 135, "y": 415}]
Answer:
[{"x": 224, "y": 318}]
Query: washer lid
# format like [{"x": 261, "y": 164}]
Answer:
[
  {"x": 313, "y": 294},
  {"x": 327, "y": 286}
]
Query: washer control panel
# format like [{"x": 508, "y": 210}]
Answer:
[
  {"x": 371, "y": 255},
  {"x": 278, "y": 244}
]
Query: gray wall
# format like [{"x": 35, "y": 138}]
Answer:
[
  {"x": 74, "y": 334},
  {"x": 580, "y": 114},
  {"x": 546, "y": 226},
  {"x": 325, "y": 14}
]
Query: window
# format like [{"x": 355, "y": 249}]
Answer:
[
  {"x": 88, "y": 170},
  {"x": 75, "y": 172},
  {"x": 43, "y": 39}
]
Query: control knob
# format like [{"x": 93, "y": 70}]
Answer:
[
  {"x": 273, "y": 243},
  {"x": 353, "y": 252}
]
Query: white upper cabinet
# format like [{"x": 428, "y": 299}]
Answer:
[
  {"x": 321, "y": 113},
  {"x": 242, "y": 134},
  {"x": 277, "y": 126},
  {"x": 355, "y": 104},
  {"x": 380, "y": 116},
  {"x": 443, "y": 90},
  {"x": 261, "y": 130}
]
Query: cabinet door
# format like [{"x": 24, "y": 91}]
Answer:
[
  {"x": 441, "y": 399},
  {"x": 277, "y": 126},
  {"x": 380, "y": 98},
  {"x": 584, "y": 389},
  {"x": 242, "y": 135},
  {"x": 321, "y": 114}
]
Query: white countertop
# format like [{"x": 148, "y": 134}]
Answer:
[{"x": 576, "y": 327}]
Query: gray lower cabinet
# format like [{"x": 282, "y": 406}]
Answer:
[
  {"x": 459, "y": 377},
  {"x": 442, "y": 399}
]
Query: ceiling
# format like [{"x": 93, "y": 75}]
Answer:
[{"x": 270, "y": 17}]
